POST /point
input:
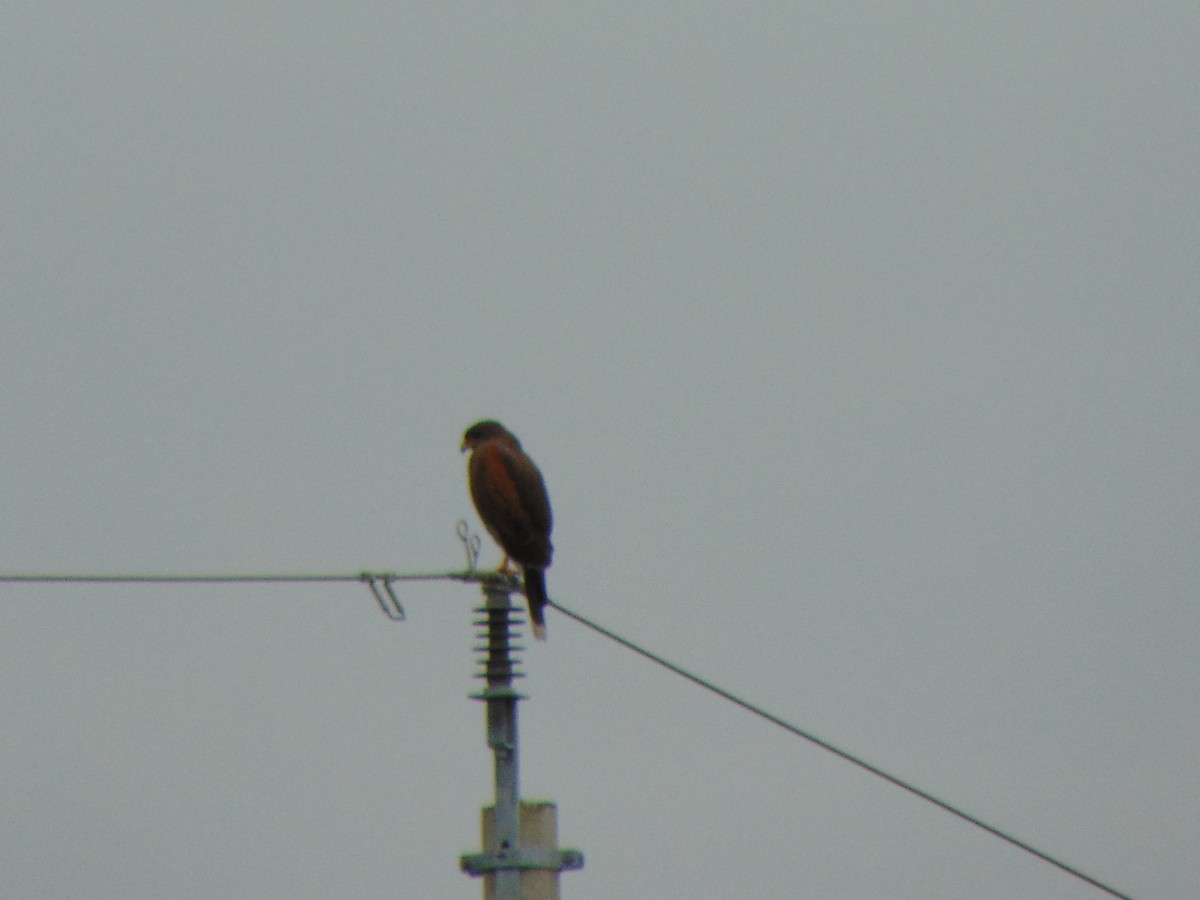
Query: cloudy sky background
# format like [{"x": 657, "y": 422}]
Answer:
[{"x": 858, "y": 344}]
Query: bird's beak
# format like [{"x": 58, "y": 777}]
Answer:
[{"x": 465, "y": 447}]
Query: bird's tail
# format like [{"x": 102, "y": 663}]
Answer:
[{"x": 535, "y": 593}]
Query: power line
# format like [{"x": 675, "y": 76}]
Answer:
[
  {"x": 471, "y": 544},
  {"x": 175, "y": 579},
  {"x": 243, "y": 578},
  {"x": 837, "y": 751},
  {"x": 380, "y": 584}
]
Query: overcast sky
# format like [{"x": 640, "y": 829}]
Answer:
[{"x": 859, "y": 344}]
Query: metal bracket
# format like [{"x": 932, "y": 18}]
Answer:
[
  {"x": 390, "y": 604},
  {"x": 498, "y": 693},
  {"x": 521, "y": 859},
  {"x": 471, "y": 543}
]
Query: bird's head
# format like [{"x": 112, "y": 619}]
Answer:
[{"x": 487, "y": 430}]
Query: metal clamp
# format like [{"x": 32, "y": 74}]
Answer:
[
  {"x": 471, "y": 543},
  {"x": 521, "y": 859},
  {"x": 390, "y": 604}
]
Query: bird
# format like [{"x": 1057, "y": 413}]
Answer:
[{"x": 510, "y": 496}]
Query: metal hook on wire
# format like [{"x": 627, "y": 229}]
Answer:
[
  {"x": 471, "y": 543},
  {"x": 387, "y": 599}
]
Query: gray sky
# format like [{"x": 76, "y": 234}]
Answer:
[{"x": 858, "y": 344}]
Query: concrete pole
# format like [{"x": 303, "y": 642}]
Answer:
[{"x": 539, "y": 829}]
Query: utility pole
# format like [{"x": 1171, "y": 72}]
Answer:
[{"x": 505, "y": 858}]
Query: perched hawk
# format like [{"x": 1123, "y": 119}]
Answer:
[{"x": 511, "y": 498}]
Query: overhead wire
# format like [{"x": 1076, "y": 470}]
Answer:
[
  {"x": 174, "y": 579},
  {"x": 379, "y": 583},
  {"x": 838, "y": 751},
  {"x": 391, "y": 607},
  {"x": 242, "y": 579}
]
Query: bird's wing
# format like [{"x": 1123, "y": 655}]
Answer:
[{"x": 511, "y": 497}]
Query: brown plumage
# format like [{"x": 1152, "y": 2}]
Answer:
[{"x": 511, "y": 499}]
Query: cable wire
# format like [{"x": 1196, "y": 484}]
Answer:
[
  {"x": 379, "y": 583},
  {"x": 468, "y": 575},
  {"x": 176, "y": 579},
  {"x": 391, "y": 607},
  {"x": 837, "y": 751}
]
